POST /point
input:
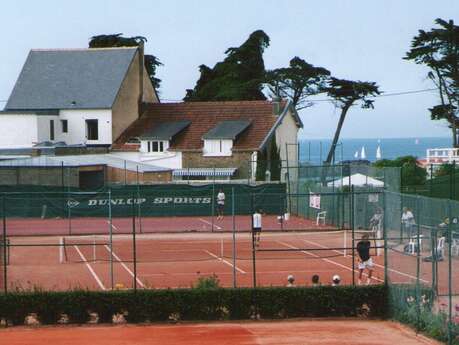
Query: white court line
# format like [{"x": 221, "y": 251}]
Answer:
[
  {"x": 225, "y": 262},
  {"x": 207, "y": 222},
  {"x": 326, "y": 260},
  {"x": 113, "y": 226},
  {"x": 380, "y": 266},
  {"x": 125, "y": 267},
  {"x": 90, "y": 268}
]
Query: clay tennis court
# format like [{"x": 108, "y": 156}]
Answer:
[
  {"x": 178, "y": 260},
  {"x": 124, "y": 225},
  {"x": 298, "y": 332},
  {"x": 174, "y": 252}
]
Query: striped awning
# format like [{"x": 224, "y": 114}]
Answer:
[{"x": 204, "y": 172}]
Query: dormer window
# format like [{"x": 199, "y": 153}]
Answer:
[
  {"x": 157, "y": 146},
  {"x": 158, "y": 138},
  {"x": 217, "y": 147},
  {"x": 219, "y": 140}
]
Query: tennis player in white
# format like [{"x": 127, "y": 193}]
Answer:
[{"x": 256, "y": 226}]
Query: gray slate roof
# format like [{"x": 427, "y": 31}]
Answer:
[
  {"x": 227, "y": 129},
  {"x": 70, "y": 79},
  {"x": 165, "y": 130}
]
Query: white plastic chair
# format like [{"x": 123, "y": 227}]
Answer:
[
  {"x": 441, "y": 247},
  {"x": 455, "y": 246},
  {"x": 321, "y": 216}
]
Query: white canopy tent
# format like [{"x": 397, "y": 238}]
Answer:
[{"x": 359, "y": 180}]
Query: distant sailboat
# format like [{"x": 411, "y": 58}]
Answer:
[
  {"x": 356, "y": 154},
  {"x": 362, "y": 153},
  {"x": 416, "y": 141},
  {"x": 378, "y": 153}
]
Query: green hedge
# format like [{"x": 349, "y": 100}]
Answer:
[{"x": 196, "y": 304}]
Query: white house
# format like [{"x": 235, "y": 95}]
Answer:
[{"x": 77, "y": 96}]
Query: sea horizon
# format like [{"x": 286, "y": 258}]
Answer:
[{"x": 316, "y": 150}]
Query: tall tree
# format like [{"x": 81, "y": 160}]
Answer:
[
  {"x": 346, "y": 93},
  {"x": 298, "y": 82},
  {"x": 117, "y": 40},
  {"x": 438, "y": 49},
  {"x": 239, "y": 76}
]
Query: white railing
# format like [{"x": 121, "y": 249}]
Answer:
[{"x": 442, "y": 156}]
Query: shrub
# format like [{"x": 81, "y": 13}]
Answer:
[{"x": 208, "y": 302}]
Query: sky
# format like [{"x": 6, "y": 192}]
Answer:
[{"x": 354, "y": 39}]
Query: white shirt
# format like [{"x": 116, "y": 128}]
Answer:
[
  {"x": 221, "y": 198},
  {"x": 257, "y": 220},
  {"x": 408, "y": 218}
]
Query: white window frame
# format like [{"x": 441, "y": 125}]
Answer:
[
  {"x": 161, "y": 146},
  {"x": 217, "y": 147}
]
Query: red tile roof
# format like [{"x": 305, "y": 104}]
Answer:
[{"x": 204, "y": 116}]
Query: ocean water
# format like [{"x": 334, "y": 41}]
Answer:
[{"x": 315, "y": 151}]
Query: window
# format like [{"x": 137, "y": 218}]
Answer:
[
  {"x": 51, "y": 130},
  {"x": 157, "y": 146},
  {"x": 92, "y": 129},
  {"x": 213, "y": 147},
  {"x": 64, "y": 125}
]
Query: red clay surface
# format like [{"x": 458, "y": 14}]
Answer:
[
  {"x": 298, "y": 332},
  {"x": 178, "y": 260},
  {"x": 100, "y": 225},
  {"x": 172, "y": 260}
]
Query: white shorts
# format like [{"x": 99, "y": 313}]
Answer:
[{"x": 366, "y": 264}]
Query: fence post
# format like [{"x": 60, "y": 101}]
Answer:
[
  {"x": 110, "y": 235},
  {"x": 139, "y": 215},
  {"x": 234, "y": 237},
  {"x": 418, "y": 263},
  {"x": 5, "y": 243},
  {"x": 431, "y": 180},
  {"x": 450, "y": 275},
  {"x": 353, "y": 236},
  {"x": 253, "y": 243},
  {"x": 134, "y": 245},
  {"x": 213, "y": 201},
  {"x": 386, "y": 270}
]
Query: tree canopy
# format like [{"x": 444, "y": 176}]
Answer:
[
  {"x": 298, "y": 82},
  {"x": 346, "y": 93},
  {"x": 438, "y": 49},
  {"x": 117, "y": 40},
  {"x": 412, "y": 174},
  {"x": 239, "y": 76}
]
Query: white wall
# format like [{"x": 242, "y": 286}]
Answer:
[
  {"x": 18, "y": 130},
  {"x": 287, "y": 132},
  {"x": 77, "y": 126},
  {"x": 43, "y": 125},
  {"x": 171, "y": 160}
]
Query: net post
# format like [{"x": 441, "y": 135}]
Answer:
[
  {"x": 94, "y": 253},
  {"x": 345, "y": 243},
  {"x": 5, "y": 272},
  {"x": 61, "y": 250},
  {"x": 110, "y": 229},
  {"x": 134, "y": 246}
]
